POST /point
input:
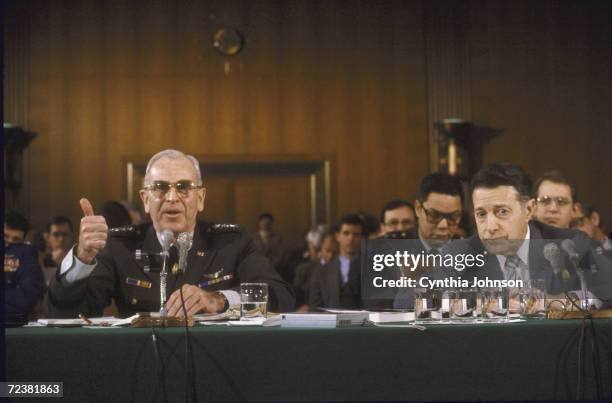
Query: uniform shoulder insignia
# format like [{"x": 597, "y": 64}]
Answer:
[
  {"x": 131, "y": 231},
  {"x": 224, "y": 228}
]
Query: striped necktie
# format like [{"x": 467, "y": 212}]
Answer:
[{"x": 511, "y": 267}]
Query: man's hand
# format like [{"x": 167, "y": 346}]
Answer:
[
  {"x": 93, "y": 233},
  {"x": 196, "y": 300}
]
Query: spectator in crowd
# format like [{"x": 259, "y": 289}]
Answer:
[
  {"x": 325, "y": 249},
  {"x": 439, "y": 212},
  {"x": 269, "y": 242},
  {"x": 587, "y": 220},
  {"x": 397, "y": 215},
  {"x": 337, "y": 284},
  {"x": 135, "y": 212},
  {"x": 555, "y": 199},
  {"x": 116, "y": 214},
  {"x": 59, "y": 237},
  {"x": 371, "y": 226},
  {"x": 23, "y": 281}
]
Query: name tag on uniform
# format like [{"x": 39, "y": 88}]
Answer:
[
  {"x": 137, "y": 283},
  {"x": 216, "y": 280}
]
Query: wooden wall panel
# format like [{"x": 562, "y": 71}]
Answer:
[{"x": 101, "y": 80}]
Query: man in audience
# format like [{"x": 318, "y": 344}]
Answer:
[
  {"x": 397, "y": 215},
  {"x": 438, "y": 210},
  {"x": 270, "y": 243},
  {"x": 23, "y": 281},
  {"x": 513, "y": 244},
  {"x": 58, "y": 235},
  {"x": 337, "y": 284},
  {"x": 103, "y": 264},
  {"x": 555, "y": 199},
  {"x": 326, "y": 249},
  {"x": 587, "y": 220}
]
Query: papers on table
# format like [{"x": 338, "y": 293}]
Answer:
[
  {"x": 324, "y": 320},
  {"x": 106, "y": 321}
]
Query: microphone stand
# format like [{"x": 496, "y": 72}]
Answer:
[{"x": 163, "y": 276}]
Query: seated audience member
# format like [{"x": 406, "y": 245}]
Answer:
[
  {"x": 102, "y": 265},
  {"x": 23, "y": 281},
  {"x": 337, "y": 284},
  {"x": 587, "y": 220},
  {"x": 269, "y": 242},
  {"x": 371, "y": 226},
  {"x": 58, "y": 235},
  {"x": 515, "y": 244},
  {"x": 397, "y": 215},
  {"x": 555, "y": 199},
  {"x": 135, "y": 212},
  {"x": 115, "y": 214},
  {"x": 326, "y": 249},
  {"x": 438, "y": 211}
]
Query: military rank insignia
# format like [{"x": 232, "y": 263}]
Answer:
[
  {"x": 137, "y": 283},
  {"x": 11, "y": 263}
]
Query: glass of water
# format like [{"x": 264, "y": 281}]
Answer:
[
  {"x": 427, "y": 305},
  {"x": 532, "y": 298},
  {"x": 495, "y": 304},
  {"x": 253, "y": 300},
  {"x": 465, "y": 305}
]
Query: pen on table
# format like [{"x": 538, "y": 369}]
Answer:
[{"x": 85, "y": 319}]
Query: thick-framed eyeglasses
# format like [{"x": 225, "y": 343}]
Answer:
[
  {"x": 560, "y": 201},
  {"x": 161, "y": 188},
  {"x": 435, "y": 216}
]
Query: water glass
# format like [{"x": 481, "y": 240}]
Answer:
[
  {"x": 427, "y": 305},
  {"x": 532, "y": 299},
  {"x": 253, "y": 300},
  {"x": 465, "y": 305},
  {"x": 495, "y": 304}
]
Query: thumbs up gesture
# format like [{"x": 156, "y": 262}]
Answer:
[{"x": 93, "y": 233}]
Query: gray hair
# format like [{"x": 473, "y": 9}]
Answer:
[{"x": 173, "y": 155}]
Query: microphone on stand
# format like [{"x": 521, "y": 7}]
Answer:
[
  {"x": 166, "y": 239},
  {"x": 570, "y": 248},
  {"x": 184, "y": 242}
]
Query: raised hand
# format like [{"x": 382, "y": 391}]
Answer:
[{"x": 93, "y": 233}]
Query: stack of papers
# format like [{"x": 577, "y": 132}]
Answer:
[
  {"x": 324, "y": 320},
  {"x": 106, "y": 321}
]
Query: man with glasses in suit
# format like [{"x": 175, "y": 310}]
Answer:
[{"x": 103, "y": 264}]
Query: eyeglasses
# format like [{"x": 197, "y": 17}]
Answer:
[
  {"x": 59, "y": 234},
  {"x": 435, "y": 216},
  {"x": 560, "y": 201},
  {"x": 161, "y": 188}
]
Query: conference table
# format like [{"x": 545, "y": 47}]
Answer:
[{"x": 535, "y": 359}]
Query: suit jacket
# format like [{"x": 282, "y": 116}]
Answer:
[
  {"x": 598, "y": 273},
  {"x": 301, "y": 281},
  {"x": 326, "y": 286},
  {"x": 220, "y": 252},
  {"x": 23, "y": 280}
]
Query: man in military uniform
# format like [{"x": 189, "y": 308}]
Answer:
[{"x": 104, "y": 264}]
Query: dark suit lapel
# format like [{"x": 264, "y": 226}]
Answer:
[
  {"x": 151, "y": 246},
  {"x": 332, "y": 276}
]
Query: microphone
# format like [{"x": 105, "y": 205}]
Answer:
[
  {"x": 167, "y": 239},
  {"x": 184, "y": 242},
  {"x": 570, "y": 248},
  {"x": 552, "y": 253}
]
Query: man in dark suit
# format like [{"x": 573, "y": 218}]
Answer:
[
  {"x": 103, "y": 264},
  {"x": 23, "y": 280},
  {"x": 587, "y": 220},
  {"x": 438, "y": 210},
  {"x": 338, "y": 283},
  {"x": 513, "y": 244}
]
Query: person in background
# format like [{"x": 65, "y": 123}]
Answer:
[
  {"x": 337, "y": 284},
  {"x": 555, "y": 199},
  {"x": 371, "y": 226},
  {"x": 397, "y": 215},
  {"x": 587, "y": 220},
  {"x": 59, "y": 236},
  {"x": 325, "y": 249},
  {"x": 270, "y": 243},
  {"x": 23, "y": 280},
  {"x": 135, "y": 212}
]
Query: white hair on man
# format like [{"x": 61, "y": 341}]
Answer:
[{"x": 173, "y": 155}]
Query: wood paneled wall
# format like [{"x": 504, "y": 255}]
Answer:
[{"x": 107, "y": 79}]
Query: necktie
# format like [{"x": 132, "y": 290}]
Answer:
[{"x": 511, "y": 268}]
